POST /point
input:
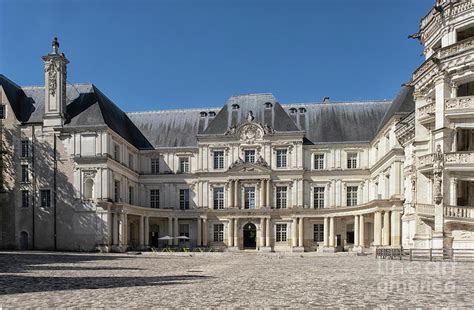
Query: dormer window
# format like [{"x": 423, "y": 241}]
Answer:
[
  {"x": 268, "y": 105},
  {"x": 2, "y": 111},
  {"x": 235, "y": 106},
  {"x": 212, "y": 114},
  {"x": 302, "y": 110},
  {"x": 293, "y": 110},
  {"x": 249, "y": 156},
  {"x": 203, "y": 114}
]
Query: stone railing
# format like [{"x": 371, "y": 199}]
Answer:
[
  {"x": 459, "y": 158},
  {"x": 459, "y": 103},
  {"x": 458, "y": 47},
  {"x": 425, "y": 209},
  {"x": 459, "y": 212},
  {"x": 427, "y": 110},
  {"x": 425, "y": 160}
]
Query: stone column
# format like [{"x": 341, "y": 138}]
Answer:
[
  {"x": 362, "y": 231},
  {"x": 386, "y": 229},
  {"x": 356, "y": 231},
  {"x": 204, "y": 231},
  {"x": 170, "y": 229},
  {"x": 453, "y": 192},
  {"x": 395, "y": 228},
  {"x": 268, "y": 192},
  {"x": 236, "y": 194},
  {"x": 230, "y": 195},
  {"x": 294, "y": 233},
  {"x": 331, "y": 232},
  {"x": 267, "y": 232},
  {"x": 262, "y": 232},
  {"x": 236, "y": 232},
  {"x": 262, "y": 194},
  {"x": 326, "y": 232},
  {"x": 116, "y": 234},
  {"x": 124, "y": 229},
  {"x": 176, "y": 231},
  {"x": 141, "y": 232},
  {"x": 378, "y": 228},
  {"x": 199, "y": 231},
  {"x": 110, "y": 228},
  {"x": 147, "y": 231},
  {"x": 230, "y": 232},
  {"x": 301, "y": 232}
]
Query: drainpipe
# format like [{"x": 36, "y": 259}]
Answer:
[
  {"x": 54, "y": 192},
  {"x": 33, "y": 200}
]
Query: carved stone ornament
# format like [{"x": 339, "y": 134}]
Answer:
[
  {"x": 250, "y": 132},
  {"x": 89, "y": 174},
  {"x": 52, "y": 83}
]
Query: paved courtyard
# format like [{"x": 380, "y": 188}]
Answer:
[{"x": 37, "y": 279}]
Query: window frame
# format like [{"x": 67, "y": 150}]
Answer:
[
  {"x": 251, "y": 156},
  {"x": 117, "y": 194},
  {"x": 25, "y": 198},
  {"x": 318, "y": 201},
  {"x": 320, "y": 165},
  {"x": 3, "y": 111},
  {"x": 352, "y": 161},
  {"x": 218, "y": 160},
  {"x": 25, "y": 173},
  {"x": 352, "y": 195},
  {"x": 25, "y": 150},
  {"x": 218, "y": 232},
  {"x": 281, "y": 235},
  {"x": 318, "y": 232},
  {"x": 155, "y": 165},
  {"x": 218, "y": 197},
  {"x": 184, "y": 164},
  {"x": 281, "y": 158},
  {"x": 280, "y": 201},
  {"x": 247, "y": 199},
  {"x": 155, "y": 194},
  {"x": 45, "y": 199},
  {"x": 184, "y": 198}
]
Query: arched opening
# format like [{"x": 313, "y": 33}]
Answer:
[
  {"x": 88, "y": 189},
  {"x": 250, "y": 236},
  {"x": 24, "y": 240}
]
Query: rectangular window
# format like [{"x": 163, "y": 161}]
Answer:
[
  {"x": 24, "y": 174},
  {"x": 281, "y": 158},
  {"x": 281, "y": 233},
  {"x": 249, "y": 197},
  {"x": 351, "y": 160},
  {"x": 116, "y": 152},
  {"x": 155, "y": 165},
  {"x": 155, "y": 198},
  {"x": 25, "y": 199},
  {"x": 25, "y": 148},
  {"x": 219, "y": 198},
  {"x": 184, "y": 199},
  {"x": 117, "y": 191},
  {"x": 218, "y": 159},
  {"x": 130, "y": 161},
  {"x": 130, "y": 195},
  {"x": 249, "y": 156},
  {"x": 352, "y": 195},
  {"x": 318, "y": 161},
  {"x": 183, "y": 164},
  {"x": 319, "y": 197},
  {"x": 218, "y": 232},
  {"x": 45, "y": 198},
  {"x": 2, "y": 111},
  {"x": 281, "y": 194},
  {"x": 318, "y": 232},
  {"x": 183, "y": 232}
]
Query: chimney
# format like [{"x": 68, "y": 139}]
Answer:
[
  {"x": 326, "y": 100},
  {"x": 55, "y": 74}
]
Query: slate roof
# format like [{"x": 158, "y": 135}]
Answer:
[
  {"x": 172, "y": 128},
  {"x": 338, "y": 122},
  {"x": 402, "y": 105},
  {"x": 86, "y": 106}
]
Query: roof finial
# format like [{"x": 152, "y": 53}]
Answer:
[{"x": 55, "y": 45}]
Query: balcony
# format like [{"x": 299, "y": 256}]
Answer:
[
  {"x": 460, "y": 107},
  {"x": 460, "y": 160},
  {"x": 425, "y": 210},
  {"x": 426, "y": 113},
  {"x": 425, "y": 162},
  {"x": 463, "y": 213}
]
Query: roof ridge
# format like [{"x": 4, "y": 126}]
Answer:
[
  {"x": 69, "y": 84},
  {"x": 174, "y": 110},
  {"x": 337, "y": 102}
]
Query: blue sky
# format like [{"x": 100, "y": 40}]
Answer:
[{"x": 155, "y": 54}]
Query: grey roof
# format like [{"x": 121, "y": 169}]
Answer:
[
  {"x": 87, "y": 106},
  {"x": 173, "y": 128},
  {"x": 403, "y": 104},
  {"x": 338, "y": 122},
  {"x": 236, "y": 109},
  {"x": 22, "y": 106}
]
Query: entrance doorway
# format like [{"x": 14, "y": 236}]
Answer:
[
  {"x": 154, "y": 235},
  {"x": 250, "y": 236},
  {"x": 24, "y": 240}
]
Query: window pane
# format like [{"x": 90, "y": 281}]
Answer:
[
  {"x": 155, "y": 165},
  {"x": 218, "y": 232},
  {"x": 249, "y": 156},
  {"x": 281, "y": 195},
  {"x": 352, "y": 195},
  {"x": 218, "y": 198},
  {"x": 218, "y": 159},
  {"x": 319, "y": 161},
  {"x": 281, "y": 158},
  {"x": 318, "y": 232},
  {"x": 184, "y": 199},
  {"x": 154, "y": 198},
  {"x": 319, "y": 197},
  {"x": 249, "y": 195}
]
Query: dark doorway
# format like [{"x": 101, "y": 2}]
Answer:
[
  {"x": 350, "y": 237},
  {"x": 24, "y": 240},
  {"x": 154, "y": 235},
  {"x": 338, "y": 240},
  {"x": 250, "y": 236}
]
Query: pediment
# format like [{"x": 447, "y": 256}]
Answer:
[{"x": 258, "y": 167}]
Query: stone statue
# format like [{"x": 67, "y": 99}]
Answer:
[{"x": 250, "y": 116}]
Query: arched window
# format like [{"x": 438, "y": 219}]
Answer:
[{"x": 88, "y": 189}]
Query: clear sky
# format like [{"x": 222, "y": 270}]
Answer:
[{"x": 155, "y": 54}]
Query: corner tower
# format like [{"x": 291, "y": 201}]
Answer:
[{"x": 55, "y": 74}]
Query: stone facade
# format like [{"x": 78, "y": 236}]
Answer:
[{"x": 80, "y": 174}]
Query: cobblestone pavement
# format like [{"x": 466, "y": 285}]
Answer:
[{"x": 37, "y": 279}]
